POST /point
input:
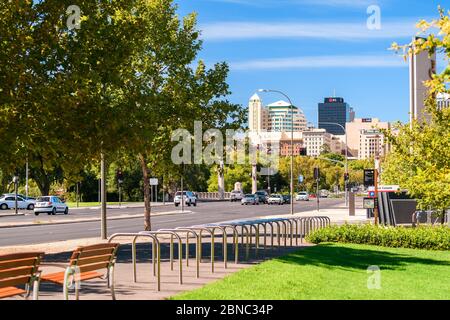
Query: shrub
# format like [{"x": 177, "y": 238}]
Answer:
[{"x": 424, "y": 237}]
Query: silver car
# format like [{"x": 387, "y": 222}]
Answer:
[
  {"x": 275, "y": 199},
  {"x": 50, "y": 205},
  {"x": 250, "y": 199}
]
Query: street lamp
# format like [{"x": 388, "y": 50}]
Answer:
[
  {"x": 292, "y": 142},
  {"x": 16, "y": 184},
  {"x": 346, "y": 155}
]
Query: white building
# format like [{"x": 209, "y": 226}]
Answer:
[
  {"x": 443, "y": 100},
  {"x": 371, "y": 144},
  {"x": 314, "y": 140}
]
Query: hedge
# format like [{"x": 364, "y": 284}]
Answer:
[{"x": 423, "y": 237}]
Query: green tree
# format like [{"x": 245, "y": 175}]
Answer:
[{"x": 420, "y": 161}]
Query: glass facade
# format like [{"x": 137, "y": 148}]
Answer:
[{"x": 334, "y": 110}]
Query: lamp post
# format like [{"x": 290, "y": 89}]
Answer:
[
  {"x": 292, "y": 142},
  {"x": 16, "y": 184},
  {"x": 346, "y": 156}
]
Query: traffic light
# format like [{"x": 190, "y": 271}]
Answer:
[
  {"x": 119, "y": 176},
  {"x": 316, "y": 173},
  {"x": 346, "y": 177},
  {"x": 303, "y": 151}
]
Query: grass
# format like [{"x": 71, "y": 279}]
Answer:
[
  {"x": 90, "y": 204},
  {"x": 337, "y": 271}
]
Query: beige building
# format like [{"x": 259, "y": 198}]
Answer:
[
  {"x": 361, "y": 135},
  {"x": 314, "y": 140}
]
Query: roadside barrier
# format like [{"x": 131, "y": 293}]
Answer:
[{"x": 284, "y": 230}]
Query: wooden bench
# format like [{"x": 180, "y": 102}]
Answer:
[
  {"x": 86, "y": 263},
  {"x": 20, "y": 269}
]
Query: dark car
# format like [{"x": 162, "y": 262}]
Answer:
[
  {"x": 287, "y": 198},
  {"x": 262, "y": 196}
]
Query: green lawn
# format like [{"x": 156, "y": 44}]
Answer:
[
  {"x": 90, "y": 204},
  {"x": 337, "y": 271}
]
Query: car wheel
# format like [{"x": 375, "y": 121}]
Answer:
[
  {"x": 54, "y": 212},
  {"x": 195, "y": 204},
  {"x": 4, "y": 206},
  {"x": 36, "y": 213},
  {"x": 30, "y": 207},
  {"x": 66, "y": 211}
]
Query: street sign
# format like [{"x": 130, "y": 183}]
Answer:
[
  {"x": 385, "y": 188},
  {"x": 153, "y": 181},
  {"x": 372, "y": 194},
  {"x": 369, "y": 203},
  {"x": 369, "y": 177},
  {"x": 300, "y": 179}
]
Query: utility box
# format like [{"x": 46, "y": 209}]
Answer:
[{"x": 351, "y": 204}]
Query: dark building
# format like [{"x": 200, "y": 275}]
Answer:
[{"x": 334, "y": 110}]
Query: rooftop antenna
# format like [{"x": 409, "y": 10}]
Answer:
[{"x": 334, "y": 93}]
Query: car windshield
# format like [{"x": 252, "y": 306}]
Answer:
[
  {"x": 302, "y": 193},
  {"x": 179, "y": 193},
  {"x": 44, "y": 199},
  {"x": 249, "y": 195}
]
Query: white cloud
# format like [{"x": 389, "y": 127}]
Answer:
[
  {"x": 334, "y": 31},
  {"x": 350, "y": 61},
  {"x": 331, "y": 3}
]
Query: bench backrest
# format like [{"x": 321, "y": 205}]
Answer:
[
  {"x": 94, "y": 257},
  {"x": 19, "y": 268}
]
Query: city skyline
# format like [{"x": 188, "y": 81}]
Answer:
[{"x": 314, "y": 49}]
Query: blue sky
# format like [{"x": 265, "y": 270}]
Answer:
[{"x": 309, "y": 48}]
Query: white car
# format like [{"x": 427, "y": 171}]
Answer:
[
  {"x": 188, "y": 196},
  {"x": 236, "y": 195},
  {"x": 50, "y": 205},
  {"x": 302, "y": 196},
  {"x": 8, "y": 201},
  {"x": 275, "y": 199}
]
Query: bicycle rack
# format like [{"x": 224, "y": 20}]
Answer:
[
  {"x": 201, "y": 229},
  {"x": 197, "y": 243},
  {"x": 133, "y": 253},
  {"x": 180, "y": 249}
]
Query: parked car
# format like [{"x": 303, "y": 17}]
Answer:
[
  {"x": 302, "y": 196},
  {"x": 50, "y": 205},
  {"x": 287, "y": 198},
  {"x": 250, "y": 199},
  {"x": 262, "y": 196},
  {"x": 188, "y": 196},
  {"x": 324, "y": 193},
  {"x": 8, "y": 201},
  {"x": 275, "y": 199},
  {"x": 236, "y": 195}
]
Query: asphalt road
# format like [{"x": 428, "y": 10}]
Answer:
[{"x": 203, "y": 213}]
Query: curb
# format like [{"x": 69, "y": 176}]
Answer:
[{"x": 28, "y": 224}]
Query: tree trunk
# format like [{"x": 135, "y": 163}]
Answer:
[{"x": 147, "y": 204}]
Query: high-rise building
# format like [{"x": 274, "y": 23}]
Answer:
[
  {"x": 258, "y": 116},
  {"x": 276, "y": 117},
  {"x": 421, "y": 68},
  {"x": 280, "y": 117},
  {"x": 364, "y": 136},
  {"x": 334, "y": 110}
]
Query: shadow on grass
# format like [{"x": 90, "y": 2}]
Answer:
[{"x": 336, "y": 256}]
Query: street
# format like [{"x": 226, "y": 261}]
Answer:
[{"x": 204, "y": 213}]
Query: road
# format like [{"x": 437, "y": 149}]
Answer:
[{"x": 204, "y": 213}]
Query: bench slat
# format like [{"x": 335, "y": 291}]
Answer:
[
  {"x": 16, "y": 272},
  {"x": 59, "y": 277},
  {"x": 10, "y": 292},
  {"x": 26, "y": 262},
  {"x": 10, "y": 282},
  {"x": 97, "y": 252},
  {"x": 94, "y": 259}
]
